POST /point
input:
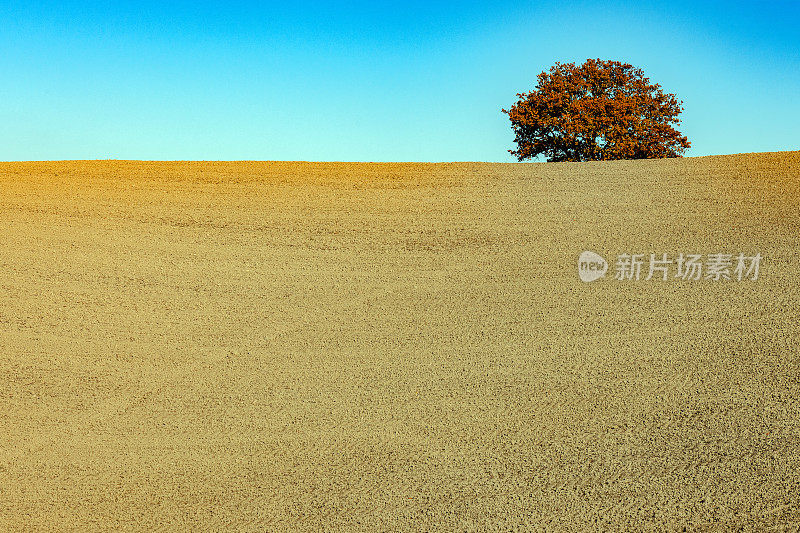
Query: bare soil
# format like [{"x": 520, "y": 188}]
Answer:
[{"x": 254, "y": 346}]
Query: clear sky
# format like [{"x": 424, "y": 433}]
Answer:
[{"x": 370, "y": 81}]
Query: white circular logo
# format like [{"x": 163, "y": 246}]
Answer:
[{"x": 591, "y": 266}]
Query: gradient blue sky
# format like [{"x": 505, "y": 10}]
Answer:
[{"x": 370, "y": 81}]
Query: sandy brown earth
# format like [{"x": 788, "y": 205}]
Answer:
[{"x": 377, "y": 347}]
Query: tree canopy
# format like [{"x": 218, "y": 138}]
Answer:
[{"x": 600, "y": 110}]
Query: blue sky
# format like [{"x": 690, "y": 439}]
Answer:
[{"x": 370, "y": 81}]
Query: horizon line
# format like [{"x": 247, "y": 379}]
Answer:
[{"x": 375, "y": 162}]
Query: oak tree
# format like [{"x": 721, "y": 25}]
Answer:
[{"x": 600, "y": 110}]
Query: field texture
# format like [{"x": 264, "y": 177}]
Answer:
[{"x": 376, "y": 347}]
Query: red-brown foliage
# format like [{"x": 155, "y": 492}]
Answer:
[{"x": 600, "y": 110}]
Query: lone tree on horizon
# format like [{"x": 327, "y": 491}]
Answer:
[{"x": 597, "y": 111}]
